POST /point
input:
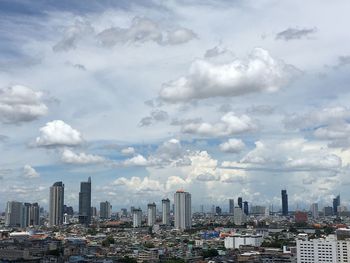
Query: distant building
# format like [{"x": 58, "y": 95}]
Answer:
[
  {"x": 56, "y": 204},
  {"x": 240, "y": 202},
  {"x": 235, "y": 241},
  {"x": 85, "y": 202},
  {"x": 105, "y": 210},
  {"x": 336, "y": 203},
  {"x": 137, "y": 217},
  {"x": 328, "y": 211},
  {"x": 300, "y": 217},
  {"x": 284, "y": 202},
  {"x": 238, "y": 216},
  {"x": 245, "y": 208},
  {"x": 258, "y": 210},
  {"x": 68, "y": 210},
  {"x": 218, "y": 210},
  {"x": 151, "y": 214},
  {"x": 314, "y": 210},
  {"x": 231, "y": 206},
  {"x": 14, "y": 214},
  {"x": 183, "y": 212},
  {"x": 31, "y": 215},
  {"x": 93, "y": 212},
  {"x": 166, "y": 211}
]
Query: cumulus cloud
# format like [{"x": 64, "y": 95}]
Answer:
[
  {"x": 232, "y": 146},
  {"x": 258, "y": 73},
  {"x": 30, "y": 172},
  {"x": 337, "y": 133},
  {"x": 20, "y": 104},
  {"x": 58, "y": 133},
  {"x": 128, "y": 151},
  {"x": 229, "y": 124},
  {"x": 71, "y": 157},
  {"x": 137, "y": 184},
  {"x": 138, "y": 160},
  {"x": 295, "y": 33},
  {"x": 329, "y": 161},
  {"x": 144, "y": 30}
]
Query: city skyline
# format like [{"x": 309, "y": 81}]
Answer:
[{"x": 147, "y": 97}]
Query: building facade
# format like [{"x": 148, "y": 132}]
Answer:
[
  {"x": 151, "y": 214},
  {"x": 137, "y": 217},
  {"x": 166, "y": 211},
  {"x": 85, "y": 202},
  {"x": 56, "y": 204},
  {"x": 284, "y": 196},
  {"x": 183, "y": 212},
  {"x": 105, "y": 210}
]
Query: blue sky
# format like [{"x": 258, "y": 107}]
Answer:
[{"x": 220, "y": 98}]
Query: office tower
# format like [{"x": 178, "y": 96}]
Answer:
[
  {"x": 314, "y": 210},
  {"x": 85, "y": 202},
  {"x": 284, "y": 202},
  {"x": 30, "y": 215},
  {"x": 238, "y": 216},
  {"x": 105, "y": 210},
  {"x": 14, "y": 214},
  {"x": 336, "y": 203},
  {"x": 124, "y": 212},
  {"x": 231, "y": 206},
  {"x": 245, "y": 208},
  {"x": 93, "y": 212},
  {"x": 240, "y": 202},
  {"x": 328, "y": 211},
  {"x": 183, "y": 213},
  {"x": 68, "y": 210},
  {"x": 56, "y": 204},
  {"x": 151, "y": 214},
  {"x": 166, "y": 211},
  {"x": 218, "y": 210},
  {"x": 137, "y": 217}
]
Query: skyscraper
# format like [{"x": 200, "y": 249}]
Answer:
[
  {"x": 240, "y": 202},
  {"x": 151, "y": 214},
  {"x": 105, "y": 210},
  {"x": 14, "y": 214},
  {"x": 314, "y": 210},
  {"x": 238, "y": 217},
  {"x": 284, "y": 202},
  {"x": 245, "y": 208},
  {"x": 166, "y": 211},
  {"x": 85, "y": 202},
  {"x": 30, "y": 215},
  {"x": 56, "y": 204},
  {"x": 231, "y": 206},
  {"x": 336, "y": 203},
  {"x": 137, "y": 217},
  {"x": 183, "y": 213}
]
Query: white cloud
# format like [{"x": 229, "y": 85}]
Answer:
[
  {"x": 230, "y": 124},
  {"x": 20, "y": 104},
  {"x": 58, "y": 133},
  {"x": 137, "y": 184},
  {"x": 232, "y": 146},
  {"x": 137, "y": 160},
  {"x": 155, "y": 116},
  {"x": 180, "y": 36},
  {"x": 259, "y": 73},
  {"x": 128, "y": 151},
  {"x": 71, "y": 157},
  {"x": 30, "y": 172},
  {"x": 328, "y": 161}
]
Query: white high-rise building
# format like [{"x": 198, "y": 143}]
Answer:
[
  {"x": 166, "y": 212},
  {"x": 314, "y": 210},
  {"x": 137, "y": 217},
  {"x": 238, "y": 216},
  {"x": 105, "y": 210},
  {"x": 183, "y": 212},
  {"x": 14, "y": 216},
  {"x": 151, "y": 214},
  {"x": 56, "y": 204}
]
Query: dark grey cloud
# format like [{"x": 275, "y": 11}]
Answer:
[
  {"x": 295, "y": 33},
  {"x": 155, "y": 116}
]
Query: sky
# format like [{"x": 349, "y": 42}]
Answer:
[{"x": 219, "y": 98}]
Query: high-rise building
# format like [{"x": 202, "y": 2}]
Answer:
[
  {"x": 31, "y": 214},
  {"x": 151, "y": 214},
  {"x": 93, "y": 212},
  {"x": 231, "y": 206},
  {"x": 284, "y": 202},
  {"x": 56, "y": 204},
  {"x": 14, "y": 214},
  {"x": 166, "y": 211},
  {"x": 85, "y": 202},
  {"x": 238, "y": 216},
  {"x": 314, "y": 210},
  {"x": 218, "y": 210},
  {"x": 328, "y": 211},
  {"x": 183, "y": 212},
  {"x": 105, "y": 210},
  {"x": 245, "y": 208},
  {"x": 240, "y": 202},
  {"x": 336, "y": 203},
  {"x": 137, "y": 217}
]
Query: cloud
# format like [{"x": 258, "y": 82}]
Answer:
[
  {"x": 259, "y": 73},
  {"x": 137, "y": 184},
  {"x": 128, "y": 151},
  {"x": 137, "y": 160},
  {"x": 30, "y": 172},
  {"x": 295, "y": 33},
  {"x": 144, "y": 30},
  {"x": 232, "y": 146},
  {"x": 337, "y": 133},
  {"x": 70, "y": 157},
  {"x": 329, "y": 161},
  {"x": 21, "y": 104},
  {"x": 58, "y": 133},
  {"x": 229, "y": 124},
  {"x": 156, "y": 116}
]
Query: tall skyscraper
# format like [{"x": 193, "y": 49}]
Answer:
[
  {"x": 105, "y": 210},
  {"x": 14, "y": 214},
  {"x": 85, "y": 202},
  {"x": 137, "y": 217},
  {"x": 151, "y": 214},
  {"x": 56, "y": 204},
  {"x": 238, "y": 217},
  {"x": 231, "y": 206},
  {"x": 284, "y": 202},
  {"x": 31, "y": 214},
  {"x": 314, "y": 210},
  {"x": 183, "y": 212},
  {"x": 245, "y": 208},
  {"x": 166, "y": 211},
  {"x": 336, "y": 203},
  {"x": 240, "y": 202}
]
